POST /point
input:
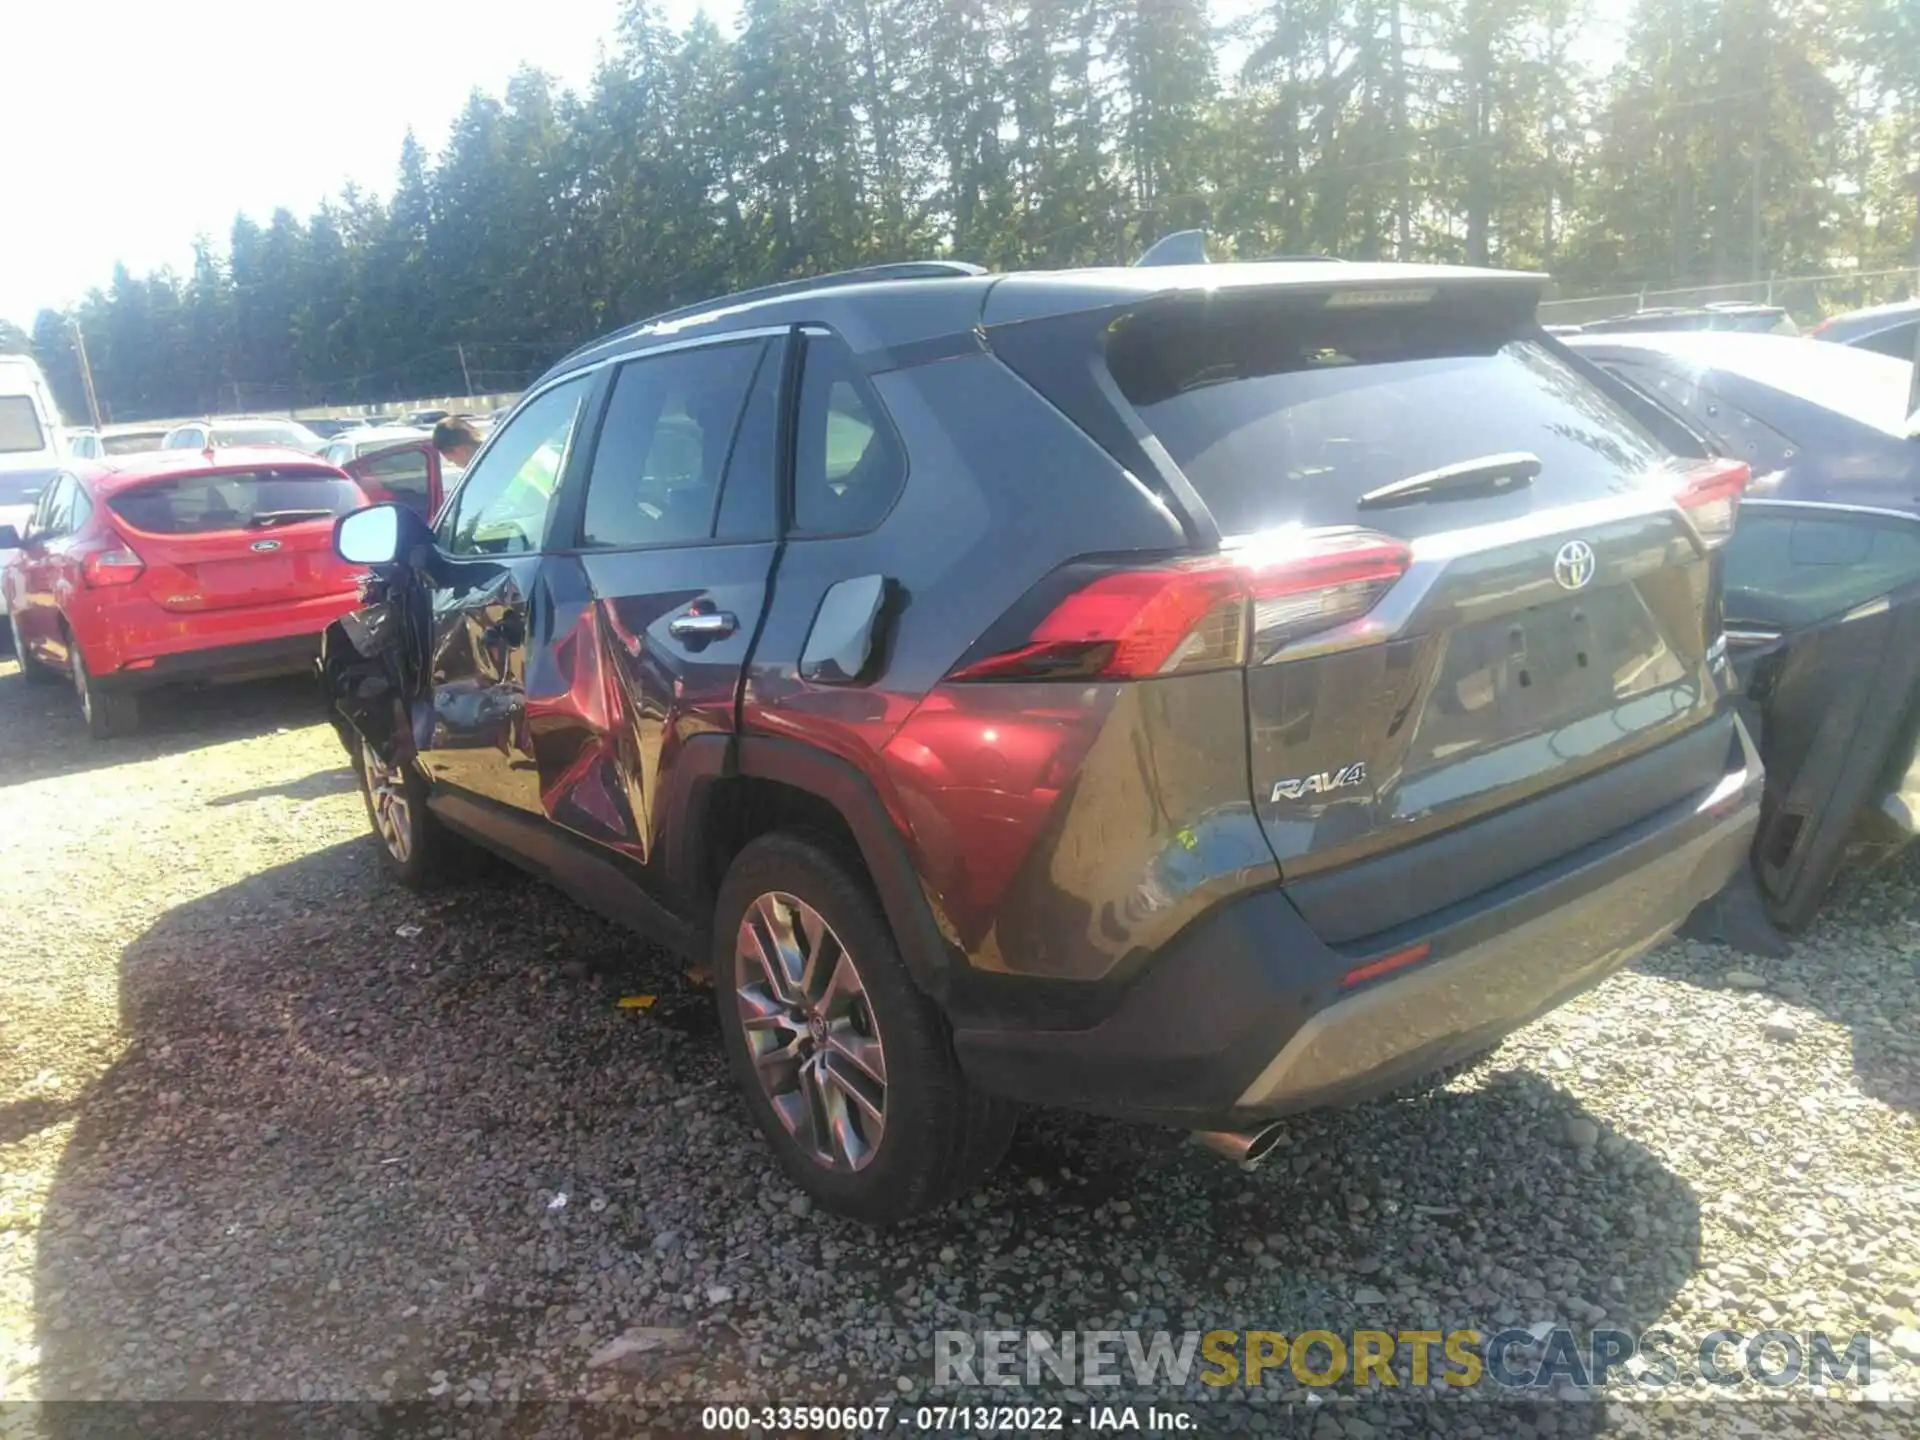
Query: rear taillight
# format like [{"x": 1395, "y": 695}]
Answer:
[
  {"x": 1208, "y": 613},
  {"x": 1306, "y": 581},
  {"x": 1710, "y": 494},
  {"x": 115, "y": 565}
]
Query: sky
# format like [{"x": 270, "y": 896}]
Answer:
[{"x": 141, "y": 123}]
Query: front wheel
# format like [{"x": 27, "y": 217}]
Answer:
[
  {"x": 108, "y": 712},
  {"x": 412, "y": 843},
  {"x": 847, "y": 1067}
]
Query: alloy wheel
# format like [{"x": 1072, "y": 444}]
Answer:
[
  {"x": 392, "y": 811},
  {"x": 810, "y": 1031}
]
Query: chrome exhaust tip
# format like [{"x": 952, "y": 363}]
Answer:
[{"x": 1245, "y": 1147}]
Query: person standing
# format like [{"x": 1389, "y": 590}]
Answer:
[{"x": 456, "y": 440}]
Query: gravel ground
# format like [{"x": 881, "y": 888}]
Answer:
[{"x": 257, "y": 1142}]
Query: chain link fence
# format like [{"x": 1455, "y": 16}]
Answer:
[{"x": 1807, "y": 298}]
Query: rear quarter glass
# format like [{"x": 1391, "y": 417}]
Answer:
[{"x": 1295, "y": 423}]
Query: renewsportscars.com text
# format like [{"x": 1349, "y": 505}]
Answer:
[{"x": 1540, "y": 1358}]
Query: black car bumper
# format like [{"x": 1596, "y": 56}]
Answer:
[
  {"x": 1249, "y": 1014},
  {"x": 257, "y": 660}
]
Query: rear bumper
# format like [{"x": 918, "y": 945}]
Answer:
[
  {"x": 1244, "y": 1016},
  {"x": 258, "y": 660},
  {"x": 131, "y": 641}
]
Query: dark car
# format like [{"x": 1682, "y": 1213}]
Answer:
[
  {"x": 1822, "y": 583},
  {"x": 1190, "y": 694},
  {"x": 1728, "y": 315},
  {"x": 1892, "y": 330}
]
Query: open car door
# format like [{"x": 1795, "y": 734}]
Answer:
[
  {"x": 408, "y": 473},
  {"x": 1823, "y": 622}
]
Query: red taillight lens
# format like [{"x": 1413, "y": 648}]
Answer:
[
  {"x": 1710, "y": 494},
  {"x": 116, "y": 565},
  {"x": 1311, "y": 580},
  {"x": 1204, "y": 614}
]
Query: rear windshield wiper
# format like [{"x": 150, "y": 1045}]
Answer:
[
  {"x": 268, "y": 518},
  {"x": 1489, "y": 475}
]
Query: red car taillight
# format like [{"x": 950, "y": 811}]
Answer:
[
  {"x": 114, "y": 565},
  {"x": 1209, "y": 613},
  {"x": 1710, "y": 494}
]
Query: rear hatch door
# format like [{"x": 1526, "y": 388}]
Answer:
[
  {"x": 1557, "y": 606},
  {"x": 231, "y": 539}
]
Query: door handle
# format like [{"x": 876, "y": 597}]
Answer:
[{"x": 702, "y": 625}]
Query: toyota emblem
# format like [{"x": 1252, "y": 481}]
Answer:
[{"x": 1573, "y": 567}]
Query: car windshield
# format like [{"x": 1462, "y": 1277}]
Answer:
[
  {"x": 20, "y": 426},
  {"x": 247, "y": 500},
  {"x": 259, "y": 435}
]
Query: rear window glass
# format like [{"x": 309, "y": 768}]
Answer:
[
  {"x": 1305, "y": 442},
  {"x": 132, "y": 442},
  {"x": 19, "y": 425},
  {"x": 258, "y": 435},
  {"x": 249, "y": 500}
]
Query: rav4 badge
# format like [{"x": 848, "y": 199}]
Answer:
[{"x": 1326, "y": 780}]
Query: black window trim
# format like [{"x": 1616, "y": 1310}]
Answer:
[
  {"x": 571, "y": 492},
  {"x": 575, "y": 520},
  {"x": 808, "y": 335}
]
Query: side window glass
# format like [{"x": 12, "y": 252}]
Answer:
[
  {"x": 403, "y": 475},
  {"x": 55, "y": 505},
  {"x": 664, "y": 446},
  {"x": 42, "y": 508},
  {"x": 1786, "y": 568},
  {"x": 504, "y": 500},
  {"x": 749, "y": 496},
  {"x": 848, "y": 465},
  {"x": 79, "y": 507}
]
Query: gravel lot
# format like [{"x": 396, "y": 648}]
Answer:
[{"x": 256, "y": 1143}]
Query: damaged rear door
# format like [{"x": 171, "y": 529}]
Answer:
[{"x": 1823, "y": 620}]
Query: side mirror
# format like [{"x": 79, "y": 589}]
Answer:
[
  {"x": 376, "y": 535},
  {"x": 9, "y": 538}
]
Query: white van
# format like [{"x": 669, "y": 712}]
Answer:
[{"x": 31, "y": 448}]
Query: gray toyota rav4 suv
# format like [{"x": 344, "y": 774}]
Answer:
[{"x": 1191, "y": 693}]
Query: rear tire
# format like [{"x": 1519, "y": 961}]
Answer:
[
  {"x": 108, "y": 712},
  {"x": 847, "y": 1067},
  {"x": 30, "y": 669},
  {"x": 414, "y": 846}
]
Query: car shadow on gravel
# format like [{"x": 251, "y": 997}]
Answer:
[
  {"x": 50, "y": 739},
  {"x": 1857, "y": 964},
  {"x": 340, "y": 1162}
]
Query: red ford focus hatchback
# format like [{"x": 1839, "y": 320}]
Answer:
[{"x": 177, "y": 567}]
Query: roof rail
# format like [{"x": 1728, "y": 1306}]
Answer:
[{"x": 863, "y": 275}]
